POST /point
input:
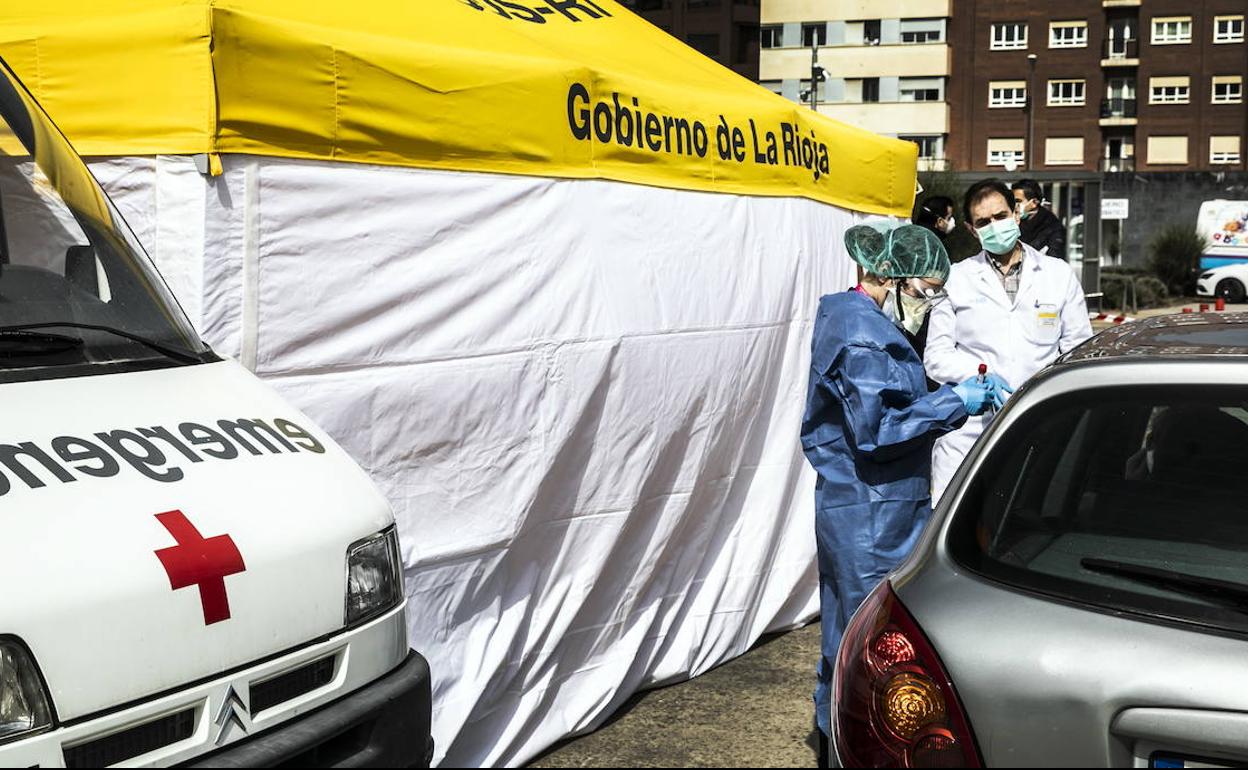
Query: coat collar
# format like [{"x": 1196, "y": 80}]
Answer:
[
  {"x": 1031, "y": 259},
  {"x": 990, "y": 281}
]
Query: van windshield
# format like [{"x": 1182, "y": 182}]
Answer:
[
  {"x": 1131, "y": 500},
  {"x": 77, "y": 293}
]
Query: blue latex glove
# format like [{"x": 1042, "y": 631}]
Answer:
[
  {"x": 976, "y": 396},
  {"x": 999, "y": 388}
]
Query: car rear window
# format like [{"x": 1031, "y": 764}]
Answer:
[{"x": 1131, "y": 499}]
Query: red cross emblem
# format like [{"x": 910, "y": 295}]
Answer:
[{"x": 200, "y": 561}]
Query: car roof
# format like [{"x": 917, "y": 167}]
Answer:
[{"x": 1179, "y": 335}]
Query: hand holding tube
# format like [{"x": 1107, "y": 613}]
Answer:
[
  {"x": 976, "y": 396},
  {"x": 999, "y": 388}
]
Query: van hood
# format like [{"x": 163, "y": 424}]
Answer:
[{"x": 165, "y": 526}]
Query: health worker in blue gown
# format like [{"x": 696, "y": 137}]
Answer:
[{"x": 870, "y": 423}]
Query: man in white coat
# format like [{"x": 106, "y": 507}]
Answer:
[{"x": 1010, "y": 307}]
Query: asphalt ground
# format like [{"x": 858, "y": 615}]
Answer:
[{"x": 753, "y": 711}]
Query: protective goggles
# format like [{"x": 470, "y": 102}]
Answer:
[{"x": 929, "y": 295}]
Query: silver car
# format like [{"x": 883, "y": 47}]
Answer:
[{"x": 1080, "y": 597}]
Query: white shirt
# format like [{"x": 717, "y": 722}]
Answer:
[{"x": 979, "y": 324}]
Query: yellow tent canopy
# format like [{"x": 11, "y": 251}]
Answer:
[{"x": 559, "y": 88}]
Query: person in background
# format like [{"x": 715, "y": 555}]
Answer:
[
  {"x": 937, "y": 215},
  {"x": 1041, "y": 229},
  {"x": 869, "y": 425},
  {"x": 1010, "y": 307}
]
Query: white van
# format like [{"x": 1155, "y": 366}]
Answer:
[
  {"x": 1224, "y": 225},
  {"x": 193, "y": 573}
]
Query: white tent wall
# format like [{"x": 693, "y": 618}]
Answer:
[{"x": 582, "y": 399}]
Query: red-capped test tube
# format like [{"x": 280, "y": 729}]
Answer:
[{"x": 982, "y": 379}]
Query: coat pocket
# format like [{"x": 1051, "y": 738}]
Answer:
[{"x": 1042, "y": 322}]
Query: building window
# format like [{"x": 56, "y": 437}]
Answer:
[
  {"x": 1228, "y": 89},
  {"x": 871, "y": 32},
  {"x": 1119, "y": 154},
  {"x": 814, "y": 34},
  {"x": 930, "y": 147},
  {"x": 707, "y": 45},
  {"x": 1228, "y": 29},
  {"x": 921, "y": 89},
  {"x": 775, "y": 86},
  {"x": 1005, "y": 152},
  {"x": 1171, "y": 30},
  {"x": 1067, "y": 93},
  {"x": 772, "y": 36},
  {"x": 922, "y": 30},
  {"x": 1063, "y": 151},
  {"x": 1172, "y": 90},
  {"x": 870, "y": 89},
  {"x": 1121, "y": 40},
  {"x": 1167, "y": 150},
  {"x": 925, "y": 36},
  {"x": 1007, "y": 93},
  {"x": 1009, "y": 36},
  {"x": 931, "y": 151},
  {"x": 1223, "y": 150},
  {"x": 1068, "y": 34},
  {"x": 1120, "y": 88}
]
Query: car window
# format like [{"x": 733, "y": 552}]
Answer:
[{"x": 1130, "y": 499}]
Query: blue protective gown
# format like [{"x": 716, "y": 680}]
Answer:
[{"x": 868, "y": 431}]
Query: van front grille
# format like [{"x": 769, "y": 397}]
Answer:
[
  {"x": 133, "y": 742},
  {"x": 292, "y": 684}
]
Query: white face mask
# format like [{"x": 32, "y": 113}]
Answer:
[
  {"x": 890, "y": 306},
  {"x": 949, "y": 226},
  {"x": 915, "y": 311}
]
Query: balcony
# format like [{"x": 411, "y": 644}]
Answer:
[
  {"x": 1117, "y": 165},
  {"x": 933, "y": 164},
  {"x": 1121, "y": 53},
  {"x": 1118, "y": 112}
]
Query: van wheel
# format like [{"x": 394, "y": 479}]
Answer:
[{"x": 1230, "y": 290}]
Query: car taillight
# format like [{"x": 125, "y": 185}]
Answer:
[{"x": 895, "y": 705}]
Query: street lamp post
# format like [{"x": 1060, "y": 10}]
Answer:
[
  {"x": 817, "y": 75},
  {"x": 1029, "y": 153}
]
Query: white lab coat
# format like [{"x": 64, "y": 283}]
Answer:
[{"x": 978, "y": 324}]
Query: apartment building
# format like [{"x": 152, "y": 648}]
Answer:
[
  {"x": 883, "y": 65},
  {"x": 724, "y": 30},
  {"x": 1108, "y": 86}
]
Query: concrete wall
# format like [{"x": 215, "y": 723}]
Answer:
[
  {"x": 779, "y": 11},
  {"x": 930, "y": 60},
  {"x": 903, "y": 118},
  {"x": 1160, "y": 198}
]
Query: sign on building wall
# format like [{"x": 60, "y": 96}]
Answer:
[{"x": 1114, "y": 208}]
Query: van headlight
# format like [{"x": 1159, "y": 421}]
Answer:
[
  {"x": 23, "y": 700},
  {"x": 374, "y": 581},
  {"x": 1206, "y": 276}
]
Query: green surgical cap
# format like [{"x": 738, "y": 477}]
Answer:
[{"x": 904, "y": 251}]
